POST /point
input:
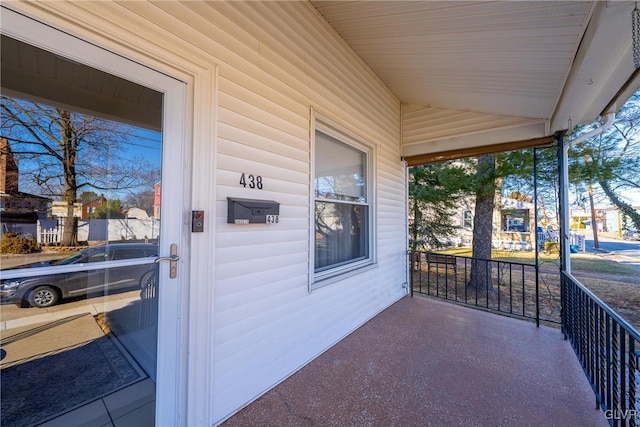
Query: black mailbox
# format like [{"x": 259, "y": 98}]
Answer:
[{"x": 251, "y": 211}]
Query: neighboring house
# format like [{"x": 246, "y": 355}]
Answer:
[
  {"x": 90, "y": 207},
  {"x": 581, "y": 219},
  {"x": 17, "y": 208},
  {"x": 156, "y": 200},
  {"x": 513, "y": 225},
  {"x": 609, "y": 219},
  {"x": 82, "y": 210},
  {"x": 308, "y": 113},
  {"x": 136, "y": 213},
  {"x": 59, "y": 209}
]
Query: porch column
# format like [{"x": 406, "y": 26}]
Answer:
[{"x": 563, "y": 187}]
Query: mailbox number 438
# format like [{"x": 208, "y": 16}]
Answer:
[{"x": 252, "y": 181}]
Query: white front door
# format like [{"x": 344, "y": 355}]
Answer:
[{"x": 143, "y": 325}]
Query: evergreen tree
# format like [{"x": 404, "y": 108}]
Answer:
[
  {"x": 485, "y": 185},
  {"x": 112, "y": 209},
  {"x": 434, "y": 190}
]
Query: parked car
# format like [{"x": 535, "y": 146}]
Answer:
[
  {"x": 49, "y": 289},
  {"x": 631, "y": 235}
]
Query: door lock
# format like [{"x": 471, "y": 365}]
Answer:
[{"x": 173, "y": 259}]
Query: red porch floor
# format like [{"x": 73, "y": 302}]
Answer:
[{"x": 423, "y": 362}]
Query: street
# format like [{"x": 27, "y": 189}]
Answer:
[{"x": 625, "y": 252}]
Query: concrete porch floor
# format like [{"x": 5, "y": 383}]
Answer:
[{"x": 423, "y": 362}]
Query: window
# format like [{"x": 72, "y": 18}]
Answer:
[
  {"x": 467, "y": 219},
  {"x": 128, "y": 254},
  {"x": 515, "y": 220},
  {"x": 342, "y": 204}
]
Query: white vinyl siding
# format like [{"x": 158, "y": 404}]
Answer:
[
  {"x": 267, "y": 324},
  {"x": 271, "y": 63}
]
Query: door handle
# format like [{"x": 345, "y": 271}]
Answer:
[{"x": 173, "y": 259}]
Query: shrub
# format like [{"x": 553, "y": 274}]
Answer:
[
  {"x": 13, "y": 243},
  {"x": 552, "y": 247}
]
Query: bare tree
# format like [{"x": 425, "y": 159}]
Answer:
[
  {"x": 612, "y": 160},
  {"x": 62, "y": 152},
  {"x": 144, "y": 198}
]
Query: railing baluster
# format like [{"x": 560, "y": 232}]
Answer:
[
  {"x": 476, "y": 285},
  {"x": 623, "y": 374},
  {"x": 446, "y": 282},
  {"x": 428, "y": 275},
  {"x": 488, "y": 279},
  {"x": 523, "y": 292},
  {"x": 602, "y": 359},
  {"x": 455, "y": 278},
  {"x": 510, "y": 288},
  {"x": 633, "y": 370},
  {"x": 592, "y": 338},
  {"x": 499, "y": 268},
  {"x": 596, "y": 354},
  {"x": 466, "y": 299},
  {"x": 609, "y": 395},
  {"x": 615, "y": 369}
]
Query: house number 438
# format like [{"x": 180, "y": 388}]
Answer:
[{"x": 251, "y": 181}]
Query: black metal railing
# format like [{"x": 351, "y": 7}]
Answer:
[
  {"x": 608, "y": 348},
  {"x": 505, "y": 287}
]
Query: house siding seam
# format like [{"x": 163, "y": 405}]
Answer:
[{"x": 275, "y": 62}]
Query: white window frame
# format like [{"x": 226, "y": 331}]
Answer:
[{"x": 320, "y": 123}]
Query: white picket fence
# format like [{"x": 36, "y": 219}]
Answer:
[
  {"x": 50, "y": 232},
  {"x": 579, "y": 241},
  {"x": 49, "y": 236}
]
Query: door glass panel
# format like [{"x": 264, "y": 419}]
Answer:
[{"x": 80, "y": 185}]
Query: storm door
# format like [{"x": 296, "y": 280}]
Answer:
[{"x": 85, "y": 182}]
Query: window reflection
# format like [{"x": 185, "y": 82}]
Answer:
[
  {"x": 80, "y": 212},
  {"x": 341, "y": 234}
]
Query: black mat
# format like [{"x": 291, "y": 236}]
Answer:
[{"x": 41, "y": 389}]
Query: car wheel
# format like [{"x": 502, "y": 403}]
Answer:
[{"x": 43, "y": 296}]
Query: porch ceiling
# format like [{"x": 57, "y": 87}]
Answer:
[{"x": 481, "y": 72}]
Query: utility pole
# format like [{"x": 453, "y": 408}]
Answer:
[{"x": 594, "y": 224}]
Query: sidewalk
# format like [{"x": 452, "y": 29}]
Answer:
[{"x": 93, "y": 308}]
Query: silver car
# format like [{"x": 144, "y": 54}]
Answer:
[{"x": 49, "y": 289}]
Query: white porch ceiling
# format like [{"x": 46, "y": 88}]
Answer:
[{"x": 478, "y": 72}]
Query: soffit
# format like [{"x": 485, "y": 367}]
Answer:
[{"x": 525, "y": 62}]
